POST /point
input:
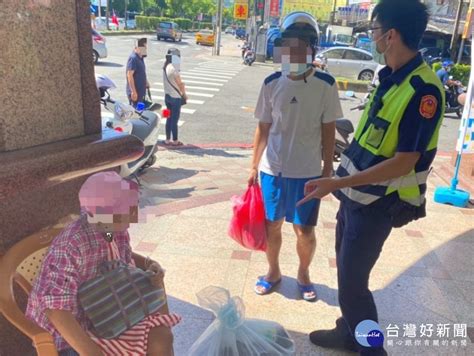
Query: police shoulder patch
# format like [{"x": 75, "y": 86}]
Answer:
[{"x": 428, "y": 106}]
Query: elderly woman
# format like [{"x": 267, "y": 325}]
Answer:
[{"x": 109, "y": 204}]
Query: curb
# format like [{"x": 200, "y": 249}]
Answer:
[
  {"x": 127, "y": 33},
  {"x": 204, "y": 146},
  {"x": 263, "y": 64},
  {"x": 352, "y": 86}
]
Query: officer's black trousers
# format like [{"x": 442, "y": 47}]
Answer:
[{"x": 360, "y": 235}]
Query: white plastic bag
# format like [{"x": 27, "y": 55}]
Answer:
[{"x": 232, "y": 335}]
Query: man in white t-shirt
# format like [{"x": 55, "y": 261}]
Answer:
[{"x": 297, "y": 109}]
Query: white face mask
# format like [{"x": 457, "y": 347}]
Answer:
[
  {"x": 176, "y": 62},
  {"x": 378, "y": 57},
  {"x": 295, "y": 69}
]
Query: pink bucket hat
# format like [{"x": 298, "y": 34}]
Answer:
[{"x": 109, "y": 192}]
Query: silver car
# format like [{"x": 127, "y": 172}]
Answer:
[
  {"x": 349, "y": 62},
  {"x": 99, "y": 48}
]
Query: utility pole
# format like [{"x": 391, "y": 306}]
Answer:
[
  {"x": 100, "y": 13},
  {"x": 333, "y": 13},
  {"x": 266, "y": 13},
  {"x": 107, "y": 14},
  {"x": 219, "y": 26},
  {"x": 454, "y": 37},
  {"x": 466, "y": 32},
  {"x": 126, "y": 14}
]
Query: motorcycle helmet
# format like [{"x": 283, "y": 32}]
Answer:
[
  {"x": 448, "y": 64},
  {"x": 103, "y": 84},
  {"x": 300, "y": 24}
]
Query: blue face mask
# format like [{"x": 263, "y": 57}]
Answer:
[
  {"x": 378, "y": 57},
  {"x": 295, "y": 68}
]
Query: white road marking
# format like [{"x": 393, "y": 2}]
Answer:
[
  {"x": 193, "y": 87},
  {"x": 202, "y": 82},
  {"x": 216, "y": 71},
  {"x": 180, "y": 122},
  {"x": 190, "y": 101},
  {"x": 203, "y": 77},
  {"x": 187, "y": 111},
  {"x": 200, "y": 88},
  {"x": 210, "y": 74},
  {"x": 232, "y": 67},
  {"x": 187, "y": 92}
]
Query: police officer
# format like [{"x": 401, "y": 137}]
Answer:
[{"x": 381, "y": 181}]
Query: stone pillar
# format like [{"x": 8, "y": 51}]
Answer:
[{"x": 50, "y": 127}]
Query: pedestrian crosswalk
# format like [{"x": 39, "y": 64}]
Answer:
[{"x": 203, "y": 82}]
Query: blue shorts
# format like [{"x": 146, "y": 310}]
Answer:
[{"x": 280, "y": 196}]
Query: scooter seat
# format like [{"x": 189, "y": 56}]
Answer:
[
  {"x": 345, "y": 125},
  {"x": 142, "y": 129}
]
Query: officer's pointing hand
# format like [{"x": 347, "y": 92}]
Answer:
[{"x": 317, "y": 189}]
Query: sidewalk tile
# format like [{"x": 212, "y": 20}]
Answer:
[
  {"x": 241, "y": 255},
  {"x": 414, "y": 233}
]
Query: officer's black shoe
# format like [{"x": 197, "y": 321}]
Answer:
[
  {"x": 373, "y": 352},
  {"x": 333, "y": 339}
]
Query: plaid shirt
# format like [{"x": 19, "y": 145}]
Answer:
[{"x": 73, "y": 258}]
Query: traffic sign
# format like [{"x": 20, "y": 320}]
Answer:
[{"x": 241, "y": 11}]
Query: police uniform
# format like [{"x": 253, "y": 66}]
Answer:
[{"x": 404, "y": 114}]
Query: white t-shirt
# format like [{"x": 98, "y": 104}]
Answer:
[
  {"x": 296, "y": 111},
  {"x": 171, "y": 72}
]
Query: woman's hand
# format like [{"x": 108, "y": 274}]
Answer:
[{"x": 158, "y": 273}]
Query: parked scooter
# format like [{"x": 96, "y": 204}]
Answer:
[
  {"x": 344, "y": 129},
  {"x": 452, "y": 94},
  {"x": 140, "y": 122}
]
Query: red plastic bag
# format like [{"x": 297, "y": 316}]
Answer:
[{"x": 247, "y": 225}]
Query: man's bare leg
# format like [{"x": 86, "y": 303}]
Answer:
[{"x": 273, "y": 252}]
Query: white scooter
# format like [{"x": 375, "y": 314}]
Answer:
[{"x": 141, "y": 123}]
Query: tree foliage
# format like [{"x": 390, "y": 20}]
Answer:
[{"x": 173, "y": 8}]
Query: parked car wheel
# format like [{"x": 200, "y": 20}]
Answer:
[
  {"x": 366, "y": 75},
  {"x": 95, "y": 56}
]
